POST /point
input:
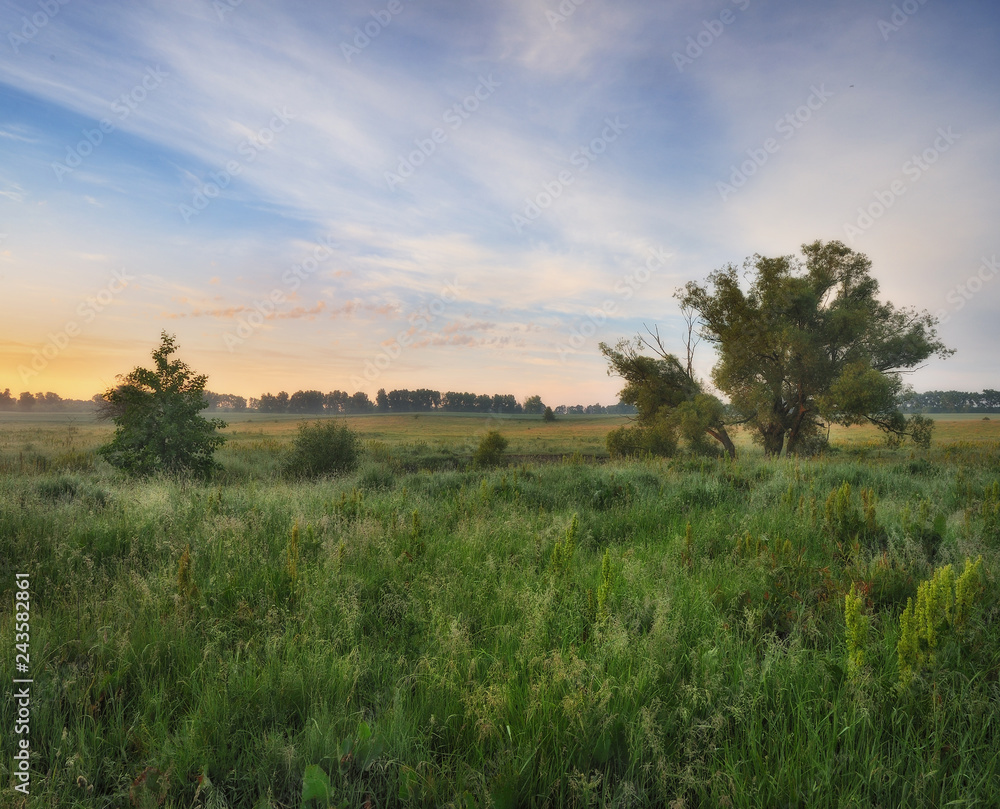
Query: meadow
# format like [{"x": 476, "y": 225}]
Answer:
[{"x": 562, "y": 630}]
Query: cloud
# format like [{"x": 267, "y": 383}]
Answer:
[
  {"x": 323, "y": 176},
  {"x": 233, "y": 312},
  {"x": 11, "y": 133},
  {"x": 14, "y": 194}
]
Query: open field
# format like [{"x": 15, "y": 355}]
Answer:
[
  {"x": 571, "y": 633},
  {"x": 447, "y": 434}
]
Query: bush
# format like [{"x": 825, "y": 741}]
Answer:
[
  {"x": 811, "y": 446},
  {"x": 623, "y": 442},
  {"x": 548, "y": 415},
  {"x": 323, "y": 448},
  {"x": 490, "y": 450},
  {"x": 658, "y": 439}
]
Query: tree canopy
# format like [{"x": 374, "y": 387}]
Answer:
[
  {"x": 155, "y": 412},
  {"x": 809, "y": 342}
]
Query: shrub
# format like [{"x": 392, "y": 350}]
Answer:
[
  {"x": 323, "y": 448},
  {"x": 810, "y": 446},
  {"x": 548, "y": 415},
  {"x": 659, "y": 439},
  {"x": 623, "y": 443},
  {"x": 490, "y": 450}
]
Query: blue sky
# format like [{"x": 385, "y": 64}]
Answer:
[{"x": 470, "y": 196}]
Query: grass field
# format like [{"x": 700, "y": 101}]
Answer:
[
  {"x": 451, "y": 433},
  {"x": 562, "y": 631}
]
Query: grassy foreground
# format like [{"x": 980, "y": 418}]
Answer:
[{"x": 570, "y": 634}]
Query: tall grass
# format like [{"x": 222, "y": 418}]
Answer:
[{"x": 427, "y": 647}]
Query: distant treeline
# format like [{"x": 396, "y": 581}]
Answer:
[
  {"x": 50, "y": 402},
  {"x": 422, "y": 400},
  {"x": 425, "y": 400},
  {"x": 952, "y": 401},
  {"x": 313, "y": 401}
]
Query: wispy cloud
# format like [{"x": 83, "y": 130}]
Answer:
[{"x": 9, "y": 134}]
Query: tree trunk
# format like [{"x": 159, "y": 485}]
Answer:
[
  {"x": 719, "y": 434},
  {"x": 795, "y": 432},
  {"x": 774, "y": 440}
]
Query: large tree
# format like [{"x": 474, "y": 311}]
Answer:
[
  {"x": 156, "y": 415},
  {"x": 808, "y": 342}
]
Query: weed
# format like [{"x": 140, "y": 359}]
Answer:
[
  {"x": 604, "y": 590},
  {"x": 187, "y": 591},
  {"x": 941, "y": 611},
  {"x": 562, "y": 551},
  {"x": 857, "y": 625},
  {"x": 292, "y": 563}
]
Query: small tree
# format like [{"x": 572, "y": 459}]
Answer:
[
  {"x": 156, "y": 415},
  {"x": 548, "y": 415},
  {"x": 669, "y": 399}
]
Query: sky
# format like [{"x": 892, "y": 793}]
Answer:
[{"x": 471, "y": 196}]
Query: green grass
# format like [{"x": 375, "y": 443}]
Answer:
[{"x": 418, "y": 601}]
